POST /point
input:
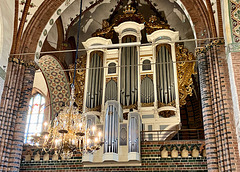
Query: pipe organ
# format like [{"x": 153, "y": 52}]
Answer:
[
  {"x": 95, "y": 80},
  {"x": 134, "y": 128},
  {"x": 111, "y": 128},
  {"x": 147, "y": 90},
  {"x": 131, "y": 86},
  {"x": 129, "y": 73},
  {"x": 165, "y": 75}
]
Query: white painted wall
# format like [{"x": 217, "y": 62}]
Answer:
[
  {"x": 6, "y": 35},
  {"x": 1, "y": 87},
  {"x": 40, "y": 82},
  {"x": 6, "y": 30},
  {"x": 53, "y": 36}
]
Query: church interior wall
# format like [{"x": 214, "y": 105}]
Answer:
[
  {"x": 6, "y": 34},
  {"x": 217, "y": 85}
]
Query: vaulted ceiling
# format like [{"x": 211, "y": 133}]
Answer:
[
  {"x": 91, "y": 9},
  {"x": 55, "y": 20}
]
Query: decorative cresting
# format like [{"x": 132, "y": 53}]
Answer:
[
  {"x": 185, "y": 69},
  {"x": 56, "y": 80},
  {"x": 80, "y": 80},
  {"x": 129, "y": 14}
]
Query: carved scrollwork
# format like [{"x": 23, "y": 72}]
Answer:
[
  {"x": 133, "y": 106},
  {"x": 147, "y": 104},
  {"x": 98, "y": 108},
  {"x": 147, "y": 75},
  {"x": 129, "y": 14},
  {"x": 153, "y": 25},
  {"x": 167, "y": 113},
  {"x": 160, "y": 104},
  {"x": 112, "y": 78},
  {"x": 185, "y": 70}
]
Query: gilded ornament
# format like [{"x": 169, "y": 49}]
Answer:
[
  {"x": 185, "y": 70},
  {"x": 133, "y": 106},
  {"x": 153, "y": 25},
  {"x": 129, "y": 14},
  {"x": 98, "y": 108},
  {"x": 80, "y": 80},
  {"x": 32, "y": 64},
  {"x": 147, "y": 75},
  {"x": 147, "y": 104},
  {"x": 160, "y": 104},
  {"x": 112, "y": 78}
]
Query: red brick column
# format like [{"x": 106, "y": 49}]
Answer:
[
  {"x": 13, "y": 111},
  {"x": 220, "y": 134},
  {"x": 235, "y": 63}
]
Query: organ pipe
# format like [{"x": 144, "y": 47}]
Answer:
[
  {"x": 95, "y": 80},
  {"x": 129, "y": 73},
  {"x": 165, "y": 76},
  {"x": 147, "y": 90},
  {"x": 111, "y": 130},
  {"x": 111, "y": 90},
  {"x": 133, "y": 132}
]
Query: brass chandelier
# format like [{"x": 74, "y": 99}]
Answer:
[{"x": 69, "y": 131}]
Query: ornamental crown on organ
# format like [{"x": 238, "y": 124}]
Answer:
[{"x": 123, "y": 89}]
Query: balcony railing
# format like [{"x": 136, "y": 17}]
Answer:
[{"x": 162, "y": 135}]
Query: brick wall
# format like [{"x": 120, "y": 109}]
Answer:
[
  {"x": 234, "y": 72},
  {"x": 151, "y": 160},
  {"x": 218, "y": 121},
  {"x": 13, "y": 110}
]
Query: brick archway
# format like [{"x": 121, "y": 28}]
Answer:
[{"x": 57, "y": 82}]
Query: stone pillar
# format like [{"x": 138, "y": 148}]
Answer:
[
  {"x": 220, "y": 133},
  {"x": 13, "y": 111}
]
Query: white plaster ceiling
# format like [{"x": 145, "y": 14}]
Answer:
[
  {"x": 95, "y": 16},
  {"x": 73, "y": 9},
  {"x": 91, "y": 21}
]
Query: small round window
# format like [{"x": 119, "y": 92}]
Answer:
[
  {"x": 146, "y": 65},
  {"x": 112, "y": 68}
]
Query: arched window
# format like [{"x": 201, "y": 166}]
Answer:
[
  {"x": 35, "y": 117},
  {"x": 112, "y": 68},
  {"x": 146, "y": 65}
]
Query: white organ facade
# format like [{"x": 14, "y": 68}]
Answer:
[{"x": 130, "y": 88}]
